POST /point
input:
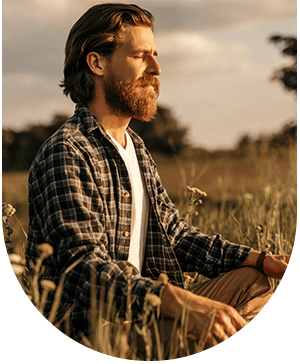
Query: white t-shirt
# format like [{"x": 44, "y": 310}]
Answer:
[{"x": 140, "y": 203}]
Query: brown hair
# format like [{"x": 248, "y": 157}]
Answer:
[{"x": 99, "y": 30}]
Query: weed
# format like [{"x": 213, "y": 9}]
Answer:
[{"x": 263, "y": 217}]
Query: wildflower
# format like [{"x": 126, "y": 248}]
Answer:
[
  {"x": 196, "y": 190},
  {"x": 48, "y": 285},
  {"x": 46, "y": 249},
  {"x": 7, "y": 211},
  {"x": 196, "y": 194}
]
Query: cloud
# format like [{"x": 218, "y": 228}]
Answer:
[
  {"x": 191, "y": 51},
  {"x": 183, "y": 41},
  {"x": 213, "y": 54},
  {"x": 220, "y": 15}
]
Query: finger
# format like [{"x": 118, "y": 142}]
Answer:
[
  {"x": 218, "y": 332},
  {"x": 210, "y": 341},
  {"x": 238, "y": 321},
  {"x": 233, "y": 321}
]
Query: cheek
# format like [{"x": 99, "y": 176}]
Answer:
[{"x": 133, "y": 70}]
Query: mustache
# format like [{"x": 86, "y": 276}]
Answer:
[{"x": 148, "y": 80}]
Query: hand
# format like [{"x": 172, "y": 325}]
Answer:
[
  {"x": 227, "y": 321},
  {"x": 274, "y": 266}
]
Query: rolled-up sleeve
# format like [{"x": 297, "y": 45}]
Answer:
[
  {"x": 196, "y": 251},
  {"x": 208, "y": 255}
]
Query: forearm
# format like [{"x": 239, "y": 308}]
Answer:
[
  {"x": 174, "y": 299},
  {"x": 251, "y": 259}
]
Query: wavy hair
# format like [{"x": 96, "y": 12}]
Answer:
[{"x": 99, "y": 30}]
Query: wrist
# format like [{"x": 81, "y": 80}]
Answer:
[
  {"x": 251, "y": 260},
  {"x": 256, "y": 259},
  {"x": 260, "y": 261},
  {"x": 173, "y": 298}
]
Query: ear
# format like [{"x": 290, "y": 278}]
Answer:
[{"x": 96, "y": 63}]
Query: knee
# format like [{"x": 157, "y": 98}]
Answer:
[{"x": 255, "y": 279}]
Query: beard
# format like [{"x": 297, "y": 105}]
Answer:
[{"x": 132, "y": 99}]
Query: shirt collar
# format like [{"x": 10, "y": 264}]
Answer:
[
  {"x": 91, "y": 123},
  {"x": 87, "y": 119}
]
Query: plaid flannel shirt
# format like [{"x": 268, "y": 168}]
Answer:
[{"x": 80, "y": 203}]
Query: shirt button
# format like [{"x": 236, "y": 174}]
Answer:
[
  {"x": 126, "y": 234},
  {"x": 127, "y": 194}
]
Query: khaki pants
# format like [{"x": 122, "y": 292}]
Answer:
[{"x": 246, "y": 289}]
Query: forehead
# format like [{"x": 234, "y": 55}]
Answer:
[{"x": 138, "y": 37}]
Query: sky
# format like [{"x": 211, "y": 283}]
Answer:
[{"x": 215, "y": 58}]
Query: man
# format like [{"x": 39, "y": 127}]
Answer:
[{"x": 95, "y": 195}]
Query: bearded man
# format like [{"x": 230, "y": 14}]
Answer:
[{"x": 95, "y": 196}]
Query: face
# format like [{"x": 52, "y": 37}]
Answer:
[{"x": 130, "y": 83}]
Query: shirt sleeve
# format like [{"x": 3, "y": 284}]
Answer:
[
  {"x": 196, "y": 251},
  {"x": 67, "y": 212}
]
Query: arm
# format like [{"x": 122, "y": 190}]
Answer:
[
  {"x": 274, "y": 266},
  {"x": 227, "y": 320},
  {"x": 68, "y": 215},
  {"x": 196, "y": 251}
]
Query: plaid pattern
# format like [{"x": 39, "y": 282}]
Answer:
[{"x": 79, "y": 204}]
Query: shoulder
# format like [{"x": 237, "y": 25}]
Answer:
[{"x": 79, "y": 135}]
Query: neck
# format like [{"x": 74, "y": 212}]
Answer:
[{"x": 113, "y": 123}]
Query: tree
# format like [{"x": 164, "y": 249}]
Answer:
[
  {"x": 20, "y": 147},
  {"x": 286, "y": 136},
  {"x": 287, "y": 76},
  {"x": 162, "y": 134}
]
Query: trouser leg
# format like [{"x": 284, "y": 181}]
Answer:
[{"x": 246, "y": 289}]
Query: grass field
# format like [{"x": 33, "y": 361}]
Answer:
[{"x": 250, "y": 200}]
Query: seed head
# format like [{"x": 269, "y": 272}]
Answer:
[
  {"x": 153, "y": 299},
  {"x": 16, "y": 259},
  {"x": 46, "y": 249},
  {"x": 267, "y": 191},
  {"x": 128, "y": 271},
  {"x": 48, "y": 285},
  {"x": 195, "y": 194},
  {"x": 7, "y": 210},
  {"x": 163, "y": 278},
  {"x": 18, "y": 269}
]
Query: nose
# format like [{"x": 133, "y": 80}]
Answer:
[{"x": 153, "y": 67}]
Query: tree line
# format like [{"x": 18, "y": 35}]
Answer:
[{"x": 163, "y": 134}]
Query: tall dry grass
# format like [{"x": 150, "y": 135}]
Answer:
[{"x": 259, "y": 211}]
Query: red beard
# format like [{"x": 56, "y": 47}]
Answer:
[{"x": 133, "y": 99}]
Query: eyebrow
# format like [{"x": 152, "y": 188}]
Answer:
[{"x": 144, "y": 50}]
